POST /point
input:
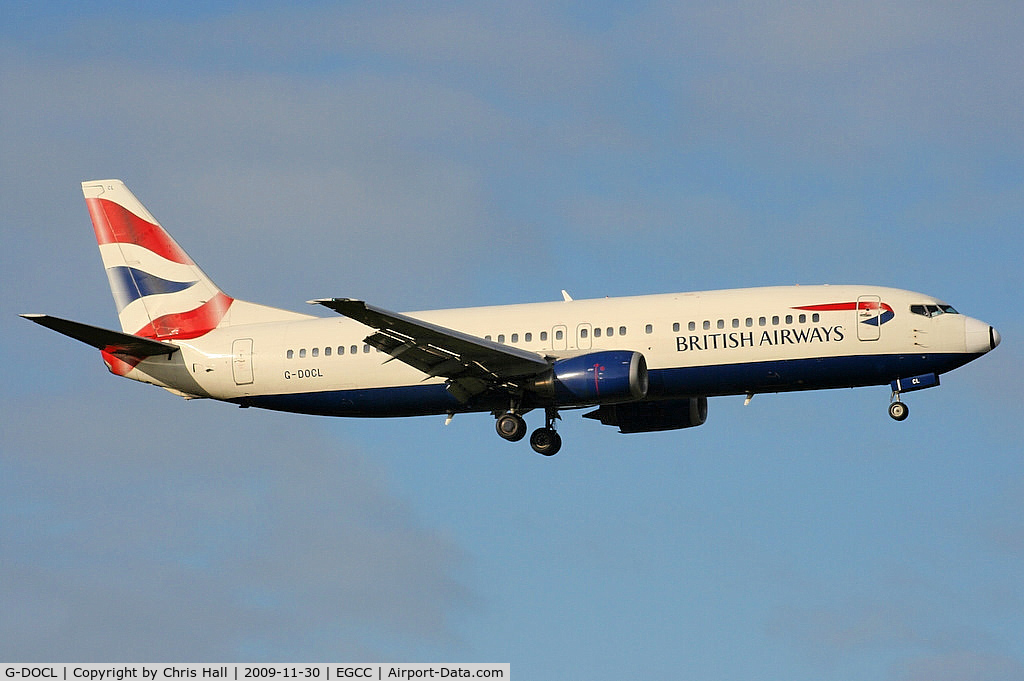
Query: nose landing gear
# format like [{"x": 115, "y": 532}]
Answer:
[{"x": 898, "y": 410}]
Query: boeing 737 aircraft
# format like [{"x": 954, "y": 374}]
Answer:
[{"x": 644, "y": 363}]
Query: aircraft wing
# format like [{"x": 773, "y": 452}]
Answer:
[
  {"x": 104, "y": 339},
  {"x": 471, "y": 361}
]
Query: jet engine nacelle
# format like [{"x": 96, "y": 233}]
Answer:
[
  {"x": 605, "y": 377},
  {"x": 649, "y": 417}
]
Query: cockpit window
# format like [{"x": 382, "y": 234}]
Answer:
[{"x": 932, "y": 310}]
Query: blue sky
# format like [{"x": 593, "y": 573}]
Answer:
[{"x": 447, "y": 154}]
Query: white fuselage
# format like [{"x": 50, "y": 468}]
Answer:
[{"x": 741, "y": 341}]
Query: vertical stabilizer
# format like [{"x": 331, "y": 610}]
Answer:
[{"x": 159, "y": 291}]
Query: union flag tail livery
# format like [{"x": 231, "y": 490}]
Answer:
[
  {"x": 159, "y": 291},
  {"x": 644, "y": 363}
]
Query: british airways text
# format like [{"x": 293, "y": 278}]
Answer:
[{"x": 751, "y": 339}]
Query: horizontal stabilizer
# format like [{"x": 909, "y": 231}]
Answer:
[{"x": 104, "y": 339}]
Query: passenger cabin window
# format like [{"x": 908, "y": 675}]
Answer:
[
  {"x": 316, "y": 352},
  {"x": 354, "y": 349},
  {"x": 675, "y": 327},
  {"x": 543, "y": 335},
  {"x": 597, "y": 332},
  {"x": 302, "y": 353},
  {"x": 583, "y": 333},
  {"x": 515, "y": 338},
  {"x": 341, "y": 349},
  {"x": 622, "y": 331},
  {"x": 692, "y": 326},
  {"x": 528, "y": 338},
  {"x": 558, "y": 335},
  {"x": 649, "y": 329},
  {"x": 291, "y": 354}
]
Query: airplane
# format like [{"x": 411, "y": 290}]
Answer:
[{"x": 643, "y": 363}]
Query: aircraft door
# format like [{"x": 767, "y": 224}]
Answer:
[
  {"x": 869, "y": 322},
  {"x": 558, "y": 339},
  {"x": 241, "y": 361},
  {"x": 583, "y": 334}
]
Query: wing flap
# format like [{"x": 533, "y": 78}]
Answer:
[
  {"x": 104, "y": 339},
  {"x": 407, "y": 350},
  {"x": 436, "y": 350}
]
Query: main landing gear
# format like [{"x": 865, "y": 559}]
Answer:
[{"x": 512, "y": 427}]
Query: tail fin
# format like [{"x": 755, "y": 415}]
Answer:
[{"x": 159, "y": 291}]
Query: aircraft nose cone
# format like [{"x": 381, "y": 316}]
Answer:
[{"x": 980, "y": 336}]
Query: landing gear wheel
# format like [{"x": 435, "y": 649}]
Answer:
[
  {"x": 512, "y": 427},
  {"x": 899, "y": 411},
  {"x": 546, "y": 441}
]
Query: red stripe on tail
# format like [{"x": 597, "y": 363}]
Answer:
[
  {"x": 115, "y": 224},
  {"x": 191, "y": 324}
]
